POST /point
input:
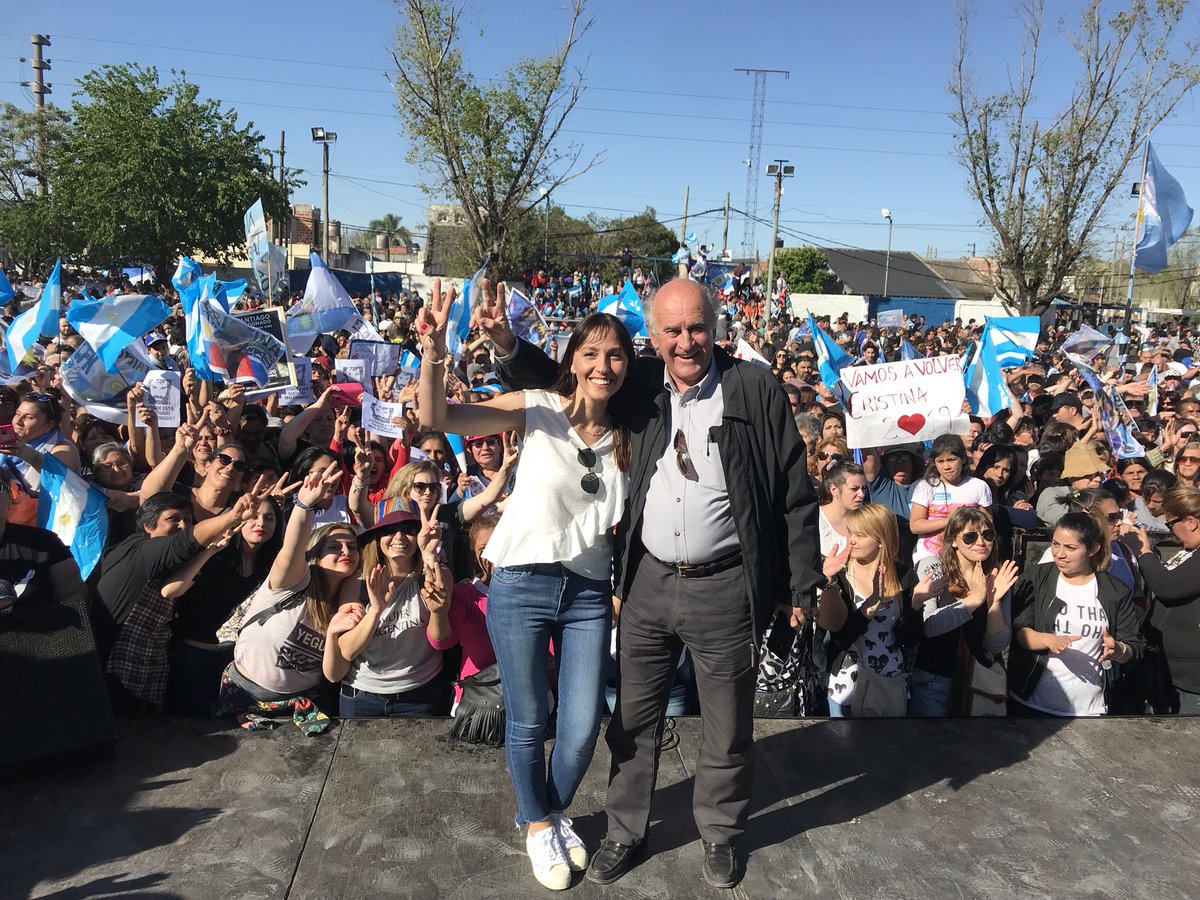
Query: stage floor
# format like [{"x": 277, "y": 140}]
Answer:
[{"x": 851, "y": 809}]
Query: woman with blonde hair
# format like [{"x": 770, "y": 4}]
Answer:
[
  {"x": 873, "y": 616},
  {"x": 972, "y": 604}
]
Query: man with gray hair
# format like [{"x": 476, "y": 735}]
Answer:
[{"x": 720, "y": 527}]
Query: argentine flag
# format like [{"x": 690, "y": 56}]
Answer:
[
  {"x": 1014, "y": 338},
  {"x": 691, "y": 237},
  {"x": 831, "y": 359},
  {"x": 112, "y": 325},
  {"x": 1152, "y": 396},
  {"x": 987, "y": 394},
  {"x": 40, "y": 319},
  {"x": 908, "y": 351},
  {"x": 680, "y": 255},
  {"x": 626, "y": 306},
  {"x": 325, "y": 307},
  {"x": 6, "y": 288},
  {"x": 458, "y": 326},
  {"x": 1163, "y": 215},
  {"x": 74, "y": 510}
]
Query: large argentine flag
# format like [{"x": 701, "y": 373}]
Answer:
[
  {"x": 112, "y": 325},
  {"x": 40, "y": 319},
  {"x": 626, "y": 306},
  {"x": 1014, "y": 338},
  {"x": 987, "y": 393},
  {"x": 1163, "y": 215},
  {"x": 326, "y": 307},
  {"x": 458, "y": 326},
  {"x": 75, "y": 511},
  {"x": 831, "y": 359}
]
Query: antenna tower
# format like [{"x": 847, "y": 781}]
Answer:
[{"x": 752, "y": 173}]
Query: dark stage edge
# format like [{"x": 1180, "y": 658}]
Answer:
[{"x": 850, "y": 809}]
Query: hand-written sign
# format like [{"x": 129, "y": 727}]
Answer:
[{"x": 901, "y": 402}]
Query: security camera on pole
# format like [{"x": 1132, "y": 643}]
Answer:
[{"x": 778, "y": 170}]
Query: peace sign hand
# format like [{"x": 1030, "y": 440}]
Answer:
[
  {"x": 379, "y": 588},
  {"x": 433, "y": 317},
  {"x": 491, "y": 317},
  {"x": 429, "y": 539}
]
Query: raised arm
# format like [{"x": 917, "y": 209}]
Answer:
[
  {"x": 164, "y": 475},
  {"x": 474, "y": 506},
  {"x": 520, "y": 363},
  {"x": 299, "y": 423},
  {"x": 290, "y": 563},
  {"x": 505, "y": 413}
]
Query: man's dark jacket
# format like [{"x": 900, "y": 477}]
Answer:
[{"x": 773, "y": 502}]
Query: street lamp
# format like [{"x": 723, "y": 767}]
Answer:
[
  {"x": 778, "y": 170},
  {"x": 324, "y": 138},
  {"x": 887, "y": 261}
]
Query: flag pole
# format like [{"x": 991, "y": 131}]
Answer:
[{"x": 1137, "y": 222}]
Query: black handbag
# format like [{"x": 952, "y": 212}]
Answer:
[{"x": 479, "y": 718}]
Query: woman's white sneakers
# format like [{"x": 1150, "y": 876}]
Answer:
[
  {"x": 550, "y": 865},
  {"x": 577, "y": 855}
]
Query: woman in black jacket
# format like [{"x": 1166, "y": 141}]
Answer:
[
  {"x": 1072, "y": 621},
  {"x": 873, "y": 617},
  {"x": 1176, "y": 588}
]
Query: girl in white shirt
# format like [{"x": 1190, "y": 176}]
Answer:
[
  {"x": 552, "y": 552},
  {"x": 945, "y": 487}
]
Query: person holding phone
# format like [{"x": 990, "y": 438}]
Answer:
[{"x": 35, "y": 430}]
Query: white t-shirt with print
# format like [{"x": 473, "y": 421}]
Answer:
[
  {"x": 282, "y": 654},
  {"x": 941, "y": 499},
  {"x": 1073, "y": 683},
  {"x": 879, "y": 648},
  {"x": 398, "y": 657}
]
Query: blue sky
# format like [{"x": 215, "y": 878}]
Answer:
[{"x": 862, "y": 117}]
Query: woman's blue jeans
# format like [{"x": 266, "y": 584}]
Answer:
[{"x": 528, "y": 606}]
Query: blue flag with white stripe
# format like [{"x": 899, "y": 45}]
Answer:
[
  {"x": 1163, "y": 215},
  {"x": 1152, "y": 396},
  {"x": 1014, "y": 338},
  {"x": 987, "y": 393},
  {"x": 40, "y": 319},
  {"x": 831, "y": 359},
  {"x": 691, "y": 237},
  {"x": 626, "y": 306},
  {"x": 458, "y": 326},
  {"x": 112, "y": 325},
  {"x": 680, "y": 255},
  {"x": 74, "y": 510},
  {"x": 6, "y": 288},
  {"x": 908, "y": 351}
]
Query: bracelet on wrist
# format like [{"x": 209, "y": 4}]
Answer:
[
  {"x": 433, "y": 361},
  {"x": 300, "y": 504}
]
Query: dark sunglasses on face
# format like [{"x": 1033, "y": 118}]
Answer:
[
  {"x": 239, "y": 465},
  {"x": 426, "y": 487},
  {"x": 1171, "y": 523},
  {"x": 1114, "y": 518},
  {"x": 826, "y": 454},
  {"x": 408, "y": 529},
  {"x": 590, "y": 482},
  {"x": 486, "y": 442},
  {"x": 970, "y": 537}
]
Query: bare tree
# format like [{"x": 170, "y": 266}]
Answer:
[
  {"x": 1043, "y": 182},
  {"x": 490, "y": 145}
]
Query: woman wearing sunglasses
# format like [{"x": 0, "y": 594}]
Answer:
[
  {"x": 829, "y": 452},
  {"x": 220, "y": 484},
  {"x": 971, "y": 606},
  {"x": 389, "y": 662},
  {"x": 552, "y": 553},
  {"x": 1074, "y": 624}
]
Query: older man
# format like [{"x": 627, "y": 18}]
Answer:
[{"x": 720, "y": 528}]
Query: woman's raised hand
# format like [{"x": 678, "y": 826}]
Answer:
[
  {"x": 835, "y": 562},
  {"x": 512, "y": 452},
  {"x": 379, "y": 587},
  {"x": 345, "y": 619},
  {"x": 1003, "y": 578},
  {"x": 433, "y": 592},
  {"x": 491, "y": 316},
  {"x": 429, "y": 538},
  {"x": 319, "y": 485},
  {"x": 433, "y": 317}
]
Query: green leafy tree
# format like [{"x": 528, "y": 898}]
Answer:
[
  {"x": 491, "y": 145},
  {"x": 1042, "y": 181},
  {"x": 24, "y": 216},
  {"x": 805, "y": 269},
  {"x": 149, "y": 171}
]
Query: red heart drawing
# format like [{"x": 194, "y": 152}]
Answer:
[{"x": 912, "y": 424}]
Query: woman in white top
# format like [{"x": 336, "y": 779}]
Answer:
[
  {"x": 846, "y": 487},
  {"x": 310, "y": 594},
  {"x": 552, "y": 552}
]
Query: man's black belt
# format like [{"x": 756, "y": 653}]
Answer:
[{"x": 703, "y": 570}]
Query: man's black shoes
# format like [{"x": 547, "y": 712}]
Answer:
[
  {"x": 721, "y": 865},
  {"x": 613, "y": 860}
]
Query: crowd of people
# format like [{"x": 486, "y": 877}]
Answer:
[{"x": 632, "y": 530}]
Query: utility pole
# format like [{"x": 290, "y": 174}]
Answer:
[
  {"x": 282, "y": 229},
  {"x": 725, "y": 231},
  {"x": 887, "y": 262},
  {"x": 324, "y": 138},
  {"x": 756, "y": 124},
  {"x": 683, "y": 228},
  {"x": 779, "y": 170},
  {"x": 40, "y": 89}
]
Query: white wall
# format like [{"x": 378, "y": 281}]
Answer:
[{"x": 853, "y": 305}]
